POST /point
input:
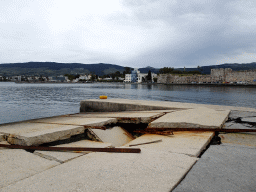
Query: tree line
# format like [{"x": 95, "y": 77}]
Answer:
[{"x": 171, "y": 70}]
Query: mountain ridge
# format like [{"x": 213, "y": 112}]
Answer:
[{"x": 54, "y": 68}]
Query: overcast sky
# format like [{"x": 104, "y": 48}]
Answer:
[{"x": 134, "y": 33}]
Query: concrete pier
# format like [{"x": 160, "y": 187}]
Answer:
[{"x": 161, "y": 165}]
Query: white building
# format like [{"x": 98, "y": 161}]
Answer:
[
  {"x": 85, "y": 77},
  {"x": 127, "y": 78},
  {"x": 140, "y": 77}
]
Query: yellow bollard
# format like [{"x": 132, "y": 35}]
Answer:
[{"x": 103, "y": 97}]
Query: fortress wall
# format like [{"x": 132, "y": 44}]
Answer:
[
  {"x": 180, "y": 80},
  {"x": 193, "y": 78},
  {"x": 205, "y": 78},
  {"x": 217, "y": 75},
  {"x": 245, "y": 76},
  {"x": 162, "y": 78}
]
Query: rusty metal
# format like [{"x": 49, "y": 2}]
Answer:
[
  {"x": 112, "y": 150},
  {"x": 156, "y": 141},
  {"x": 94, "y": 127},
  {"x": 155, "y": 132},
  {"x": 200, "y": 129}
]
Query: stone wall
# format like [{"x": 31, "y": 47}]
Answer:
[
  {"x": 162, "y": 78},
  {"x": 245, "y": 76},
  {"x": 217, "y": 75}
]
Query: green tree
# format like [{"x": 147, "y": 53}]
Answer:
[
  {"x": 149, "y": 77},
  {"x": 127, "y": 70},
  {"x": 70, "y": 77},
  {"x": 166, "y": 70}
]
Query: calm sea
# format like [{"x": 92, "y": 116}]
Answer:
[{"x": 30, "y": 101}]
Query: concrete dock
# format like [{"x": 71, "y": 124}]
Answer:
[{"x": 184, "y": 161}]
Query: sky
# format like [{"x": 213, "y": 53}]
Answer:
[{"x": 134, "y": 33}]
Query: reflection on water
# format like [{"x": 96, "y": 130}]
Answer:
[{"x": 29, "y": 101}]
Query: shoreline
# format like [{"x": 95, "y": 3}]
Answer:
[{"x": 188, "y": 84}]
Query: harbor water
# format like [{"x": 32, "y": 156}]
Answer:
[{"x": 20, "y": 102}]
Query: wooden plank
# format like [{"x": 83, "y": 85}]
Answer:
[
  {"x": 113, "y": 150},
  {"x": 146, "y": 143}
]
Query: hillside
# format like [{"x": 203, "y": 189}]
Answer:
[
  {"x": 55, "y": 69},
  {"x": 233, "y": 66}
]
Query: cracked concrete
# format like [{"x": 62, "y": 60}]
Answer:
[
  {"x": 189, "y": 143},
  {"x": 63, "y": 157},
  {"x": 225, "y": 167},
  {"x": 159, "y": 167},
  {"x": 17, "y": 164}
]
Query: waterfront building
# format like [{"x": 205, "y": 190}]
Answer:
[
  {"x": 134, "y": 75},
  {"x": 127, "y": 78},
  {"x": 85, "y": 77},
  {"x": 58, "y": 79},
  {"x": 137, "y": 77}
]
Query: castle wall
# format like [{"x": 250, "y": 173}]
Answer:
[
  {"x": 245, "y": 76},
  {"x": 162, "y": 78},
  {"x": 217, "y": 75}
]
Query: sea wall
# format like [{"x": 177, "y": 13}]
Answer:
[{"x": 217, "y": 75}]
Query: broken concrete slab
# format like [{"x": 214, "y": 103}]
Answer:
[
  {"x": 189, "y": 143},
  {"x": 192, "y": 118},
  {"x": 117, "y": 136},
  {"x": 234, "y": 125},
  {"x": 17, "y": 164},
  {"x": 27, "y": 127},
  {"x": 123, "y": 105},
  {"x": 36, "y": 133},
  {"x": 240, "y": 114},
  {"x": 157, "y": 111},
  {"x": 63, "y": 157},
  {"x": 2, "y": 138},
  {"x": 222, "y": 167},
  {"x": 4, "y": 143},
  {"x": 249, "y": 119},
  {"x": 69, "y": 120},
  {"x": 146, "y": 171},
  {"x": 142, "y": 105},
  {"x": 124, "y": 117},
  {"x": 239, "y": 138}
]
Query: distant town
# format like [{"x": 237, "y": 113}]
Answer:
[{"x": 165, "y": 76}]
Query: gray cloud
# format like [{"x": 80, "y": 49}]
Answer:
[
  {"x": 204, "y": 32},
  {"x": 134, "y": 33}
]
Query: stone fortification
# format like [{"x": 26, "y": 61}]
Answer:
[{"x": 217, "y": 75}]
